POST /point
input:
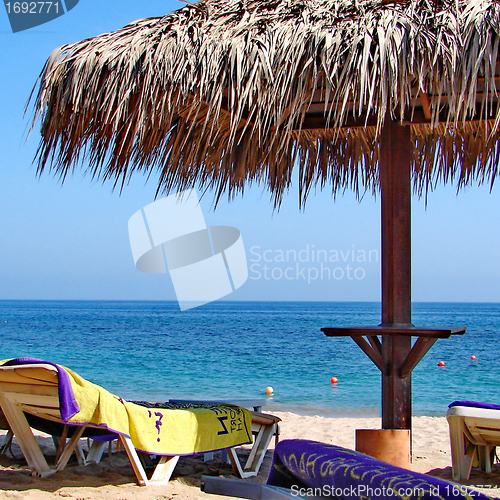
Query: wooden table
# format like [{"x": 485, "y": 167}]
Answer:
[
  {"x": 372, "y": 347},
  {"x": 395, "y": 364}
]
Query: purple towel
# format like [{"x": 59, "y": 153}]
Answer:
[
  {"x": 313, "y": 468},
  {"x": 475, "y": 404},
  {"x": 67, "y": 402}
]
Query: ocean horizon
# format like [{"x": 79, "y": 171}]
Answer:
[{"x": 150, "y": 350}]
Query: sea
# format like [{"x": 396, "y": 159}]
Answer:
[{"x": 234, "y": 350}]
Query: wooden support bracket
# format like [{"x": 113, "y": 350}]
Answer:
[
  {"x": 366, "y": 337},
  {"x": 418, "y": 351},
  {"x": 372, "y": 350}
]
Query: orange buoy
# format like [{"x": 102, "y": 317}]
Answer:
[
  {"x": 473, "y": 357},
  {"x": 441, "y": 364},
  {"x": 334, "y": 380},
  {"x": 269, "y": 390}
]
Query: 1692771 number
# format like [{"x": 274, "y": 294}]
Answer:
[{"x": 32, "y": 7}]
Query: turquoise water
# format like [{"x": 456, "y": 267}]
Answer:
[{"x": 152, "y": 351}]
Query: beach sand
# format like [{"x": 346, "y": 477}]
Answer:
[{"x": 113, "y": 478}]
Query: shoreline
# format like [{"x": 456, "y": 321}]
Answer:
[
  {"x": 307, "y": 410},
  {"x": 113, "y": 478}
]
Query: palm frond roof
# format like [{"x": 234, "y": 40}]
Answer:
[{"x": 223, "y": 93}]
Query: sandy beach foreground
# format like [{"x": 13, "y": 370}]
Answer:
[{"x": 113, "y": 478}]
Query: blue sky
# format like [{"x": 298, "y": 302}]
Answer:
[{"x": 71, "y": 241}]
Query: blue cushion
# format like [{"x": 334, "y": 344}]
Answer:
[{"x": 475, "y": 404}]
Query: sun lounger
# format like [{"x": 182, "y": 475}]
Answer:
[
  {"x": 34, "y": 391},
  {"x": 264, "y": 427},
  {"x": 308, "y": 469},
  {"x": 474, "y": 434}
]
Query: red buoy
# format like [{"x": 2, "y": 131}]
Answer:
[
  {"x": 334, "y": 380},
  {"x": 441, "y": 364}
]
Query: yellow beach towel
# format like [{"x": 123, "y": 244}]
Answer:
[{"x": 159, "y": 429}]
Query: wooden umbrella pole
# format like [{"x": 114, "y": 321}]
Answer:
[
  {"x": 394, "y": 355},
  {"x": 395, "y": 184}
]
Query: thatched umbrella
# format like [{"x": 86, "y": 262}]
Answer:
[{"x": 357, "y": 94}]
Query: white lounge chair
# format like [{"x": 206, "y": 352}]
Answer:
[
  {"x": 474, "y": 434},
  {"x": 33, "y": 390}
]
